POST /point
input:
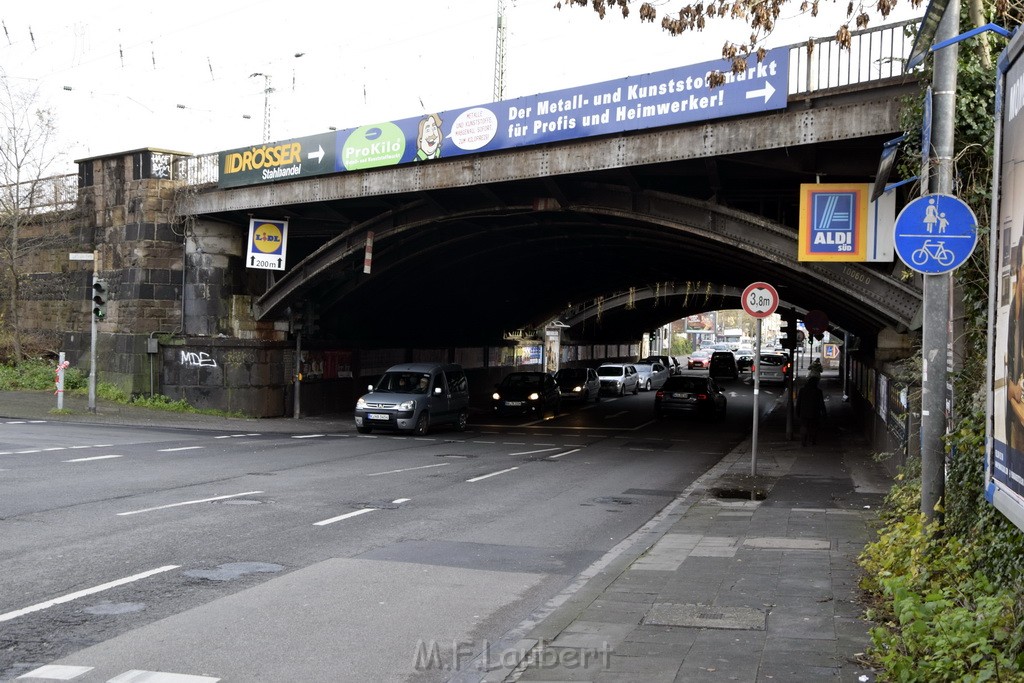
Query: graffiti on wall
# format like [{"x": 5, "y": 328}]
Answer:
[{"x": 197, "y": 359}]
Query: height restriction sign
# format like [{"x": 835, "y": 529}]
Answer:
[{"x": 760, "y": 299}]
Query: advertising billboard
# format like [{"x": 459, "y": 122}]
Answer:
[
  {"x": 1004, "y": 471},
  {"x": 663, "y": 98}
]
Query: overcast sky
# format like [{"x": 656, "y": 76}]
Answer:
[{"x": 122, "y": 75}]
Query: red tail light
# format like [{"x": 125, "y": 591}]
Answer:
[
  {"x": 753, "y": 368},
  {"x": 785, "y": 369},
  {"x": 702, "y": 397},
  {"x": 659, "y": 395}
]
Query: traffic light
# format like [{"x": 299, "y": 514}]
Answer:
[
  {"x": 100, "y": 294},
  {"x": 788, "y": 331}
]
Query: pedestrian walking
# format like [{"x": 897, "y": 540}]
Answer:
[{"x": 810, "y": 408}]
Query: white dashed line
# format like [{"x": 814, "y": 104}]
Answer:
[
  {"x": 307, "y": 436},
  {"x": 540, "y": 450},
  {"x": 492, "y": 474},
  {"x": 188, "y": 502},
  {"x": 95, "y": 457},
  {"x": 407, "y": 469},
  {"x": 559, "y": 455},
  {"x": 354, "y": 513},
  {"x": 183, "y": 448},
  {"x": 137, "y": 676},
  {"x": 82, "y": 593}
]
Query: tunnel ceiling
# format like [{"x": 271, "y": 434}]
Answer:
[{"x": 473, "y": 262}]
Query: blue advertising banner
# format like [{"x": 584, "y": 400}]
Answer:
[{"x": 663, "y": 98}]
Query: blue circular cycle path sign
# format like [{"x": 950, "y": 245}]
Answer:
[{"x": 935, "y": 233}]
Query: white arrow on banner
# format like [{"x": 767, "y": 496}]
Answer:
[
  {"x": 319, "y": 153},
  {"x": 767, "y": 91}
]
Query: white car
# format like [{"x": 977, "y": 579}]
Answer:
[
  {"x": 618, "y": 379},
  {"x": 651, "y": 375}
]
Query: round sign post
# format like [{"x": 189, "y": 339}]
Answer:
[
  {"x": 935, "y": 233},
  {"x": 759, "y": 300}
]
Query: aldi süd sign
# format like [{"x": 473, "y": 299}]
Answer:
[{"x": 663, "y": 98}]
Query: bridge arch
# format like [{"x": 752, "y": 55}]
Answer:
[{"x": 468, "y": 268}]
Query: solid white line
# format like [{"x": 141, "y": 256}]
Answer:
[
  {"x": 35, "y": 450},
  {"x": 407, "y": 469},
  {"x": 102, "y": 445},
  {"x": 188, "y": 502},
  {"x": 95, "y": 457},
  {"x": 183, "y": 448},
  {"x": 347, "y": 515},
  {"x": 399, "y": 501},
  {"x": 56, "y": 448},
  {"x": 492, "y": 474},
  {"x": 307, "y": 436},
  {"x": 82, "y": 593},
  {"x": 542, "y": 450},
  {"x": 559, "y": 455}
]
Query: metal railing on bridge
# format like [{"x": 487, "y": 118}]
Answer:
[{"x": 873, "y": 54}]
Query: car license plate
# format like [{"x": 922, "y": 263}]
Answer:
[
  {"x": 678, "y": 395},
  {"x": 513, "y": 403},
  {"x": 378, "y": 416}
]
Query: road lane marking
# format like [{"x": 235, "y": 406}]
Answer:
[
  {"x": 347, "y": 515},
  {"x": 141, "y": 676},
  {"x": 492, "y": 474},
  {"x": 95, "y": 457},
  {"x": 407, "y": 469},
  {"x": 57, "y": 672},
  {"x": 82, "y": 593},
  {"x": 307, "y": 436},
  {"x": 183, "y": 448},
  {"x": 34, "y": 450},
  {"x": 559, "y": 455},
  {"x": 399, "y": 501},
  {"x": 188, "y": 502},
  {"x": 55, "y": 448},
  {"x": 540, "y": 450}
]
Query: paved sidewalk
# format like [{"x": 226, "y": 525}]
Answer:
[{"x": 722, "y": 588}]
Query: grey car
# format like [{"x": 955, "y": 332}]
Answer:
[
  {"x": 651, "y": 375},
  {"x": 414, "y": 397},
  {"x": 618, "y": 379}
]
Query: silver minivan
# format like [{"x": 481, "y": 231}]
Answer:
[{"x": 414, "y": 397}]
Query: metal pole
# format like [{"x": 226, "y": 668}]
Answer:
[
  {"x": 757, "y": 391},
  {"x": 60, "y": 381},
  {"x": 935, "y": 329},
  {"x": 92, "y": 348},
  {"x": 298, "y": 374}
]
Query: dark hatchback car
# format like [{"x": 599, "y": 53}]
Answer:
[
  {"x": 526, "y": 393},
  {"x": 690, "y": 393},
  {"x": 723, "y": 364},
  {"x": 581, "y": 384}
]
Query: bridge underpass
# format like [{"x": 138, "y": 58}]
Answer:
[{"x": 469, "y": 248}]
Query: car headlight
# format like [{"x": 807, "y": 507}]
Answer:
[
  {"x": 407, "y": 405},
  {"x": 496, "y": 396},
  {"x": 534, "y": 396},
  {"x": 577, "y": 388},
  {"x": 360, "y": 404}
]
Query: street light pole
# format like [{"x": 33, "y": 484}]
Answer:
[{"x": 935, "y": 328}]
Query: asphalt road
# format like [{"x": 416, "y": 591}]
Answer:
[{"x": 199, "y": 555}]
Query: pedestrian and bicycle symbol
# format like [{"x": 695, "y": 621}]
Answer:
[{"x": 935, "y": 233}]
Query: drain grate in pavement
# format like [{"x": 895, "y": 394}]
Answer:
[
  {"x": 739, "y": 494},
  {"x": 705, "y": 616}
]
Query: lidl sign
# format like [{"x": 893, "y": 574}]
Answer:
[{"x": 268, "y": 240}]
